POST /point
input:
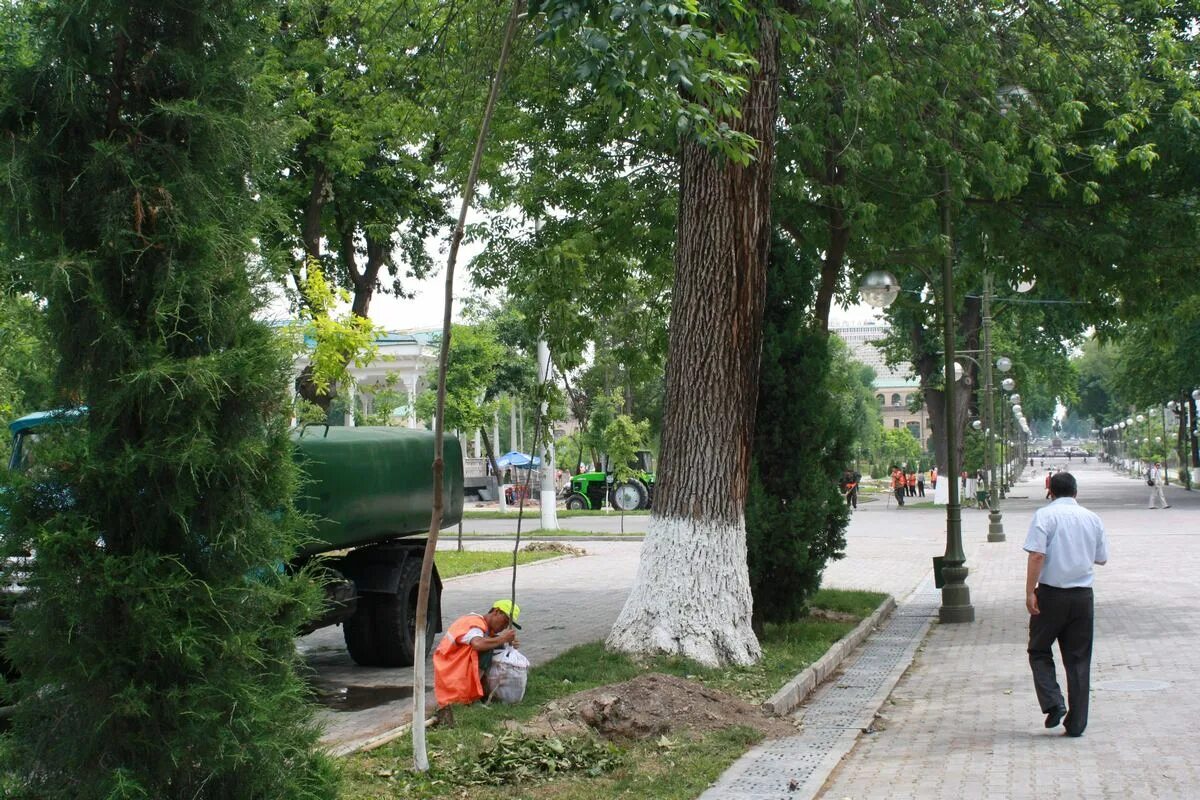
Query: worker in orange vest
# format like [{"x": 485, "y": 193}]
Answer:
[
  {"x": 933, "y": 478},
  {"x": 898, "y": 485},
  {"x": 911, "y": 480},
  {"x": 463, "y": 655}
]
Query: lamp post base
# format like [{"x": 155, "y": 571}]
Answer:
[
  {"x": 995, "y": 526},
  {"x": 956, "y": 597}
]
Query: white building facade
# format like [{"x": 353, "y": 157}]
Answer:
[{"x": 896, "y": 390}]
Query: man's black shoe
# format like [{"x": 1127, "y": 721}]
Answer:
[
  {"x": 1073, "y": 735},
  {"x": 1054, "y": 716}
]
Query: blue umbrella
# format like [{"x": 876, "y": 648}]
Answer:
[{"x": 515, "y": 459}]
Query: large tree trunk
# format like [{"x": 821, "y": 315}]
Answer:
[
  {"x": 929, "y": 371},
  {"x": 691, "y": 596}
]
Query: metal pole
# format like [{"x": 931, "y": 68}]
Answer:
[
  {"x": 1166, "y": 464},
  {"x": 1003, "y": 454},
  {"x": 956, "y": 597},
  {"x": 995, "y": 525}
]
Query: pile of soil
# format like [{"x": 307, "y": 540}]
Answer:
[{"x": 650, "y": 706}]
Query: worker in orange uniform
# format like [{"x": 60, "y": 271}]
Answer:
[
  {"x": 463, "y": 655},
  {"x": 898, "y": 485},
  {"x": 911, "y": 480}
]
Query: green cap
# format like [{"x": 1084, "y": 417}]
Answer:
[{"x": 511, "y": 609}]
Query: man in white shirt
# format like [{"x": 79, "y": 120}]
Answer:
[
  {"x": 1154, "y": 478},
  {"x": 1063, "y": 543}
]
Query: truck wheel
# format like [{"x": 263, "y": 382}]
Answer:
[
  {"x": 628, "y": 496},
  {"x": 359, "y": 632},
  {"x": 395, "y": 619},
  {"x": 577, "y": 502}
]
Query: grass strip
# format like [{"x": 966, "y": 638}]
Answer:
[
  {"x": 452, "y": 563},
  {"x": 561, "y": 513},
  {"x": 541, "y": 534},
  {"x": 664, "y": 769}
]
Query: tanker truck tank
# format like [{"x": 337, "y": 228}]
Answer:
[
  {"x": 368, "y": 490},
  {"x": 369, "y": 493}
]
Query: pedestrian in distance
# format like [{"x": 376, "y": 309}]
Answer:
[
  {"x": 1064, "y": 542},
  {"x": 849, "y": 485},
  {"x": 1154, "y": 479},
  {"x": 921, "y": 484},
  {"x": 910, "y": 481},
  {"x": 898, "y": 485},
  {"x": 933, "y": 475}
]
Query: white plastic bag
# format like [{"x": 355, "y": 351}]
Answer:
[{"x": 507, "y": 675}]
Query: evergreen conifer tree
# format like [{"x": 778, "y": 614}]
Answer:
[
  {"x": 795, "y": 515},
  {"x": 157, "y": 654}
]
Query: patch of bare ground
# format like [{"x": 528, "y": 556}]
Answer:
[{"x": 651, "y": 706}]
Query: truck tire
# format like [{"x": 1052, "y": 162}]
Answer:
[
  {"x": 359, "y": 632},
  {"x": 395, "y": 623},
  {"x": 628, "y": 496},
  {"x": 576, "y": 502}
]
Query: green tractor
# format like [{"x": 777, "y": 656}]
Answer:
[{"x": 590, "y": 490}]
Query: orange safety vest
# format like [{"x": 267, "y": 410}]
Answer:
[
  {"x": 456, "y": 665},
  {"x": 912, "y": 480}
]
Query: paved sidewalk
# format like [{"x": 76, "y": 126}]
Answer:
[{"x": 964, "y": 722}]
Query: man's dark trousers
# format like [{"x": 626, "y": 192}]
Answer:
[{"x": 1066, "y": 615}]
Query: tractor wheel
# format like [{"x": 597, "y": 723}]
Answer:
[
  {"x": 628, "y": 496},
  {"x": 577, "y": 502}
]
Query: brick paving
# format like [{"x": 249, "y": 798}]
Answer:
[{"x": 964, "y": 722}]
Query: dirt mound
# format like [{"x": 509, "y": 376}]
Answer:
[{"x": 650, "y": 706}]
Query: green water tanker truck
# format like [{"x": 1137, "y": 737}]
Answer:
[{"x": 370, "y": 493}]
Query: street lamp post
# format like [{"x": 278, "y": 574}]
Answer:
[
  {"x": 880, "y": 289},
  {"x": 995, "y": 527}
]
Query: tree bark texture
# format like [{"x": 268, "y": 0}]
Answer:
[
  {"x": 691, "y": 596},
  {"x": 929, "y": 370}
]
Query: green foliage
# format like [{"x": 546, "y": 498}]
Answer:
[
  {"x": 852, "y": 386},
  {"x": 338, "y": 340},
  {"x": 1096, "y": 390},
  {"x": 1158, "y": 356},
  {"x": 369, "y": 98},
  {"x": 899, "y": 448},
  {"x": 386, "y": 400},
  {"x": 795, "y": 514},
  {"x": 475, "y": 355},
  {"x": 516, "y": 758},
  {"x": 156, "y": 651},
  {"x": 26, "y": 358},
  {"x": 623, "y": 438}
]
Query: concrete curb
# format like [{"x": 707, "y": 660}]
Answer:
[{"x": 795, "y": 691}]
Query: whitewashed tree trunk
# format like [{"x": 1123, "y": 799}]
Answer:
[{"x": 692, "y": 596}]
